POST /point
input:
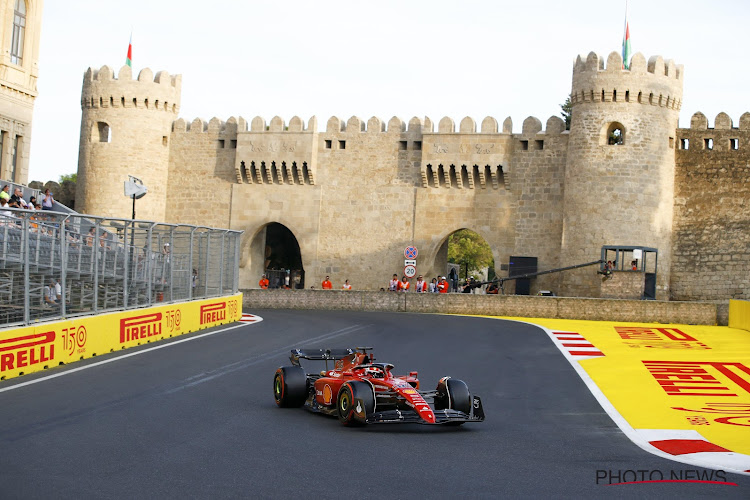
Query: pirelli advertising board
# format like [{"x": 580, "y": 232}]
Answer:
[{"x": 34, "y": 348}]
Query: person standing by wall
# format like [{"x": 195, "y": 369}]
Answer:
[
  {"x": 263, "y": 283},
  {"x": 47, "y": 200},
  {"x": 327, "y": 285}
]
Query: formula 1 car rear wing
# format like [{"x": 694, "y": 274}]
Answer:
[{"x": 319, "y": 354}]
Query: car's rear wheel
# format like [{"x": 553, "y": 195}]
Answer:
[
  {"x": 453, "y": 394},
  {"x": 290, "y": 386},
  {"x": 356, "y": 400}
]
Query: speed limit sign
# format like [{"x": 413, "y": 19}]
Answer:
[{"x": 410, "y": 271}]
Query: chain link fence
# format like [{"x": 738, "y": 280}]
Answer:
[{"x": 55, "y": 265}]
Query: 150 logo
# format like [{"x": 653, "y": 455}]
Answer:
[
  {"x": 219, "y": 311},
  {"x": 74, "y": 338},
  {"x": 174, "y": 320}
]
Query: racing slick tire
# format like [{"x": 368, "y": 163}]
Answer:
[
  {"x": 290, "y": 386},
  {"x": 453, "y": 394},
  {"x": 356, "y": 400}
]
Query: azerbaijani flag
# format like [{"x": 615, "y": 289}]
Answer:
[
  {"x": 129, "y": 58},
  {"x": 626, "y": 42}
]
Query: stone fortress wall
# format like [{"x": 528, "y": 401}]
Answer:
[{"x": 355, "y": 193}]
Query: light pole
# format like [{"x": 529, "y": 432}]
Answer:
[{"x": 135, "y": 189}]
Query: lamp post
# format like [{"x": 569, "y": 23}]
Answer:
[{"x": 135, "y": 189}]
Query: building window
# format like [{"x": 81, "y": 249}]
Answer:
[
  {"x": 524, "y": 145},
  {"x": 671, "y": 143},
  {"x": 19, "y": 30},
  {"x": 417, "y": 145},
  {"x": 402, "y": 145},
  {"x": 539, "y": 144},
  {"x": 328, "y": 144},
  {"x": 342, "y": 144},
  {"x": 708, "y": 143},
  {"x": 684, "y": 143},
  {"x": 102, "y": 132},
  {"x": 615, "y": 134},
  {"x": 221, "y": 143},
  {"x": 734, "y": 144}
]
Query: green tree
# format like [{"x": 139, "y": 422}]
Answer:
[
  {"x": 68, "y": 177},
  {"x": 467, "y": 248},
  {"x": 567, "y": 110}
]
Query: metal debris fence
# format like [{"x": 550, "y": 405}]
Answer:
[{"x": 100, "y": 264}]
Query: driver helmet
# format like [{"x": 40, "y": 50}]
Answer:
[{"x": 374, "y": 371}]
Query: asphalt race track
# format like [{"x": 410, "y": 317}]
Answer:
[{"x": 197, "y": 420}]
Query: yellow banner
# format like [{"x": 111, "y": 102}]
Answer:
[{"x": 38, "y": 347}]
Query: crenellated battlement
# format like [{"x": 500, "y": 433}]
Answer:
[
  {"x": 214, "y": 126},
  {"x": 655, "y": 82},
  {"x": 374, "y": 125},
  {"x": 722, "y": 122},
  {"x": 102, "y": 89}
]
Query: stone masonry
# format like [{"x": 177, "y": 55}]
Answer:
[{"x": 355, "y": 193}]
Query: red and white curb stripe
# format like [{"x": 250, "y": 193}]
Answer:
[
  {"x": 575, "y": 345},
  {"x": 685, "y": 446},
  {"x": 250, "y": 318},
  {"x": 691, "y": 447}
]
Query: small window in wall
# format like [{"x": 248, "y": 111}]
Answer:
[
  {"x": 524, "y": 145},
  {"x": 221, "y": 143},
  {"x": 342, "y": 144},
  {"x": 164, "y": 141},
  {"x": 104, "y": 132},
  {"x": 708, "y": 143},
  {"x": 615, "y": 134},
  {"x": 685, "y": 144},
  {"x": 19, "y": 32},
  {"x": 328, "y": 144},
  {"x": 402, "y": 145},
  {"x": 417, "y": 145},
  {"x": 671, "y": 143},
  {"x": 734, "y": 144},
  {"x": 539, "y": 145},
  {"x": 233, "y": 143}
]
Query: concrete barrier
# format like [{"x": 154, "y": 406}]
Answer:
[
  {"x": 637, "y": 311},
  {"x": 739, "y": 314}
]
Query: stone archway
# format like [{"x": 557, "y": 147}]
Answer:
[
  {"x": 442, "y": 266},
  {"x": 273, "y": 250}
]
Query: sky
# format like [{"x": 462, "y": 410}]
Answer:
[{"x": 380, "y": 58}]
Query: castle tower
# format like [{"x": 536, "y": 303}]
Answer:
[
  {"x": 125, "y": 130},
  {"x": 21, "y": 23},
  {"x": 619, "y": 179}
]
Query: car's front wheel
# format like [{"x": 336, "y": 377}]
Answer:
[
  {"x": 453, "y": 394},
  {"x": 356, "y": 400}
]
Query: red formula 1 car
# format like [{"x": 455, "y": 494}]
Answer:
[{"x": 359, "y": 391}]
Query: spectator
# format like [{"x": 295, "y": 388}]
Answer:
[
  {"x": 48, "y": 200},
  {"x": 50, "y": 295},
  {"x": 433, "y": 286},
  {"x": 18, "y": 198},
  {"x": 5, "y": 212},
  {"x": 166, "y": 252},
  {"x": 346, "y": 285},
  {"x": 403, "y": 285},
  {"x": 634, "y": 265},
  {"x": 443, "y": 285},
  {"x": 492, "y": 289},
  {"x": 58, "y": 291},
  {"x": 393, "y": 284},
  {"x": 90, "y": 237},
  {"x": 32, "y": 203},
  {"x": 263, "y": 283},
  {"x": 195, "y": 278},
  {"x": 421, "y": 285},
  {"x": 5, "y": 193},
  {"x": 327, "y": 285}
]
